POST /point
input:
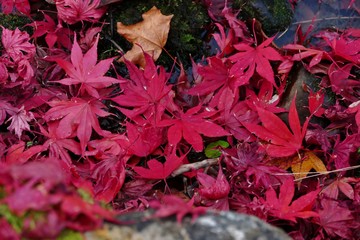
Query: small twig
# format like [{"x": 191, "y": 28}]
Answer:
[
  {"x": 315, "y": 174},
  {"x": 194, "y": 166},
  {"x": 107, "y": 37},
  {"x": 324, "y": 19}
]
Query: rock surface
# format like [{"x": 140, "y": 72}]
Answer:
[{"x": 210, "y": 226}]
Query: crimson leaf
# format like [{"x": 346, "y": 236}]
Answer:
[
  {"x": 282, "y": 141},
  {"x": 190, "y": 125},
  {"x": 84, "y": 71},
  {"x": 76, "y": 115},
  {"x": 283, "y": 207},
  {"x": 249, "y": 59}
]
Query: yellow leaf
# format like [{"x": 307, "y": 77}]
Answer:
[
  {"x": 301, "y": 167},
  {"x": 151, "y": 34}
]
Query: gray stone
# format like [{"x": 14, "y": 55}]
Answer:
[{"x": 210, "y": 226}]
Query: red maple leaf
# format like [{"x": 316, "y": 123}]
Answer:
[
  {"x": 225, "y": 42},
  {"x": 212, "y": 188},
  {"x": 171, "y": 204},
  {"x": 265, "y": 98},
  {"x": 190, "y": 125},
  {"x": 316, "y": 100},
  {"x": 343, "y": 149},
  {"x": 6, "y": 108},
  {"x": 342, "y": 83},
  {"x": 342, "y": 184},
  {"x": 76, "y": 116},
  {"x": 55, "y": 33},
  {"x": 19, "y": 121},
  {"x": 58, "y": 146},
  {"x": 336, "y": 220},
  {"x": 303, "y": 52},
  {"x": 249, "y": 59},
  {"x": 75, "y": 11},
  {"x": 215, "y": 76},
  {"x": 282, "y": 141},
  {"x": 232, "y": 115},
  {"x": 146, "y": 92},
  {"x": 84, "y": 71},
  {"x": 22, "y": 6},
  {"x": 16, "y": 44},
  {"x": 108, "y": 176},
  {"x": 283, "y": 207},
  {"x": 158, "y": 170},
  {"x": 346, "y": 48},
  {"x": 144, "y": 139}
]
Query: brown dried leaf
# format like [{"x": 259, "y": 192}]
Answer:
[{"x": 151, "y": 34}]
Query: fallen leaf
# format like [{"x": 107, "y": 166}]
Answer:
[
  {"x": 301, "y": 166},
  {"x": 309, "y": 161},
  {"x": 149, "y": 35},
  {"x": 282, "y": 205},
  {"x": 281, "y": 141}
]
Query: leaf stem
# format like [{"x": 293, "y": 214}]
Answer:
[{"x": 194, "y": 166}]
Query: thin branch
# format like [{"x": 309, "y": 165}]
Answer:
[
  {"x": 315, "y": 174},
  {"x": 324, "y": 19},
  {"x": 194, "y": 166},
  {"x": 107, "y": 37}
]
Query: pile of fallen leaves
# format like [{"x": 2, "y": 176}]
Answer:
[{"x": 220, "y": 137}]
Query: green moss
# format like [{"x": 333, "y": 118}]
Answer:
[
  {"x": 186, "y": 28},
  {"x": 15, "y": 221},
  {"x": 70, "y": 235},
  {"x": 13, "y": 21},
  {"x": 274, "y": 15}
]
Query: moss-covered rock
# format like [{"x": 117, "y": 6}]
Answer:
[{"x": 274, "y": 15}]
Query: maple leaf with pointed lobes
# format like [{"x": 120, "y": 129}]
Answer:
[
  {"x": 76, "y": 116},
  {"x": 149, "y": 35},
  {"x": 341, "y": 83},
  {"x": 282, "y": 141},
  {"x": 158, "y": 170},
  {"x": 190, "y": 125},
  {"x": 283, "y": 207},
  {"x": 342, "y": 184},
  {"x": 231, "y": 115},
  {"x": 343, "y": 149},
  {"x": 348, "y": 49},
  {"x": 58, "y": 146},
  {"x": 215, "y": 191},
  {"x": 23, "y": 6},
  {"x": 265, "y": 98},
  {"x": 16, "y": 44},
  {"x": 249, "y": 59},
  {"x": 336, "y": 220},
  {"x": 316, "y": 100},
  {"x": 215, "y": 77},
  {"x": 301, "y": 164},
  {"x": 73, "y": 11},
  {"x": 19, "y": 121},
  {"x": 84, "y": 71},
  {"x": 144, "y": 139},
  {"x": 55, "y": 33},
  {"x": 225, "y": 42},
  {"x": 303, "y": 52},
  {"x": 146, "y": 92},
  {"x": 108, "y": 176},
  {"x": 171, "y": 204}
]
